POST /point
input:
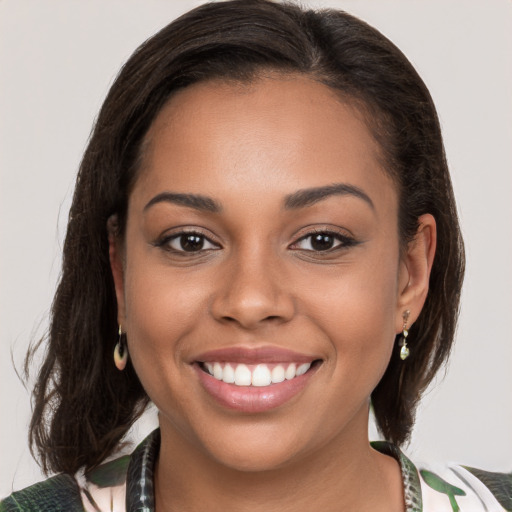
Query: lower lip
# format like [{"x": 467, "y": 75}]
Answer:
[{"x": 253, "y": 399}]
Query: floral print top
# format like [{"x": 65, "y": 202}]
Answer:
[{"x": 126, "y": 485}]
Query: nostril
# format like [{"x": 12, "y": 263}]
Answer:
[
  {"x": 229, "y": 319},
  {"x": 251, "y": 306},
  {"x": 253, "y": 322}
]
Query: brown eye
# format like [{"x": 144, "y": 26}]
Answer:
[
  {"x": 188, "y": 242},
  {"x": 191, "y": 242},
  {"x": 323, "y": 241}
]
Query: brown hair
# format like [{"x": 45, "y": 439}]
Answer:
[{"x": 83, "y": 406}]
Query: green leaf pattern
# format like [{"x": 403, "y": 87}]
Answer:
[{"x": 438, "y": 484}]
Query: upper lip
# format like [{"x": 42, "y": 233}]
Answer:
[{"x": 256, "y": 355}]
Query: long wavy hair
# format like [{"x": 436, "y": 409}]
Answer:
[{"x": 82, "y": 405}]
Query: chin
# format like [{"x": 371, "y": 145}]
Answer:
[
  {"x": 255, "y": 448},
  {"x": 255, "y": 460}
]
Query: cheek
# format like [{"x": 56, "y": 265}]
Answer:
[
  {"x": 162, "y": 308},
  {"x": 162, "y": 311},
  {"x": 356, "y": 309},
  {"x": 360, "y": 297}
]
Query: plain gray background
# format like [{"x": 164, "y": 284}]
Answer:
[{"x": 57, "y": 59}]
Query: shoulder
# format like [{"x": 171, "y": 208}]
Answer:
[
  {"x": 454, "y": 487},
  {"x": 123, "y": 483},
  {"x": 59, "y": 493},
  {"x": 95, "y": 491},
  {"x": 104, "y": 488},
  {"x": 450, "y": 487},
  {"x": 99, "y": 490}
]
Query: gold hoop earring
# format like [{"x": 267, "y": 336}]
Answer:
[
  {"x": 120, "y": 352},
  {"x": 404, "y": 351}
]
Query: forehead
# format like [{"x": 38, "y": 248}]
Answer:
[{"x": 277, "y": 132}]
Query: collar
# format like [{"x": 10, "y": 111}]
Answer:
[
  {"x": 410, "y": 477},
  {"x": 140, "y": 493}
]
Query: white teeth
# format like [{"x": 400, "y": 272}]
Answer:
[
  {"x": 290, "y": 372},
  {"x": 260, "y": 376},
  {"x": 302, "y": 369},
  {"x": 277, "y": 374},
  {"x": 217, "y": 371},
  {"x": 228, "y": 375},
  {"x": 242, "y": 375}
]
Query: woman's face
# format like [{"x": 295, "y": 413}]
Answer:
[{"x": 261, "y": 242}]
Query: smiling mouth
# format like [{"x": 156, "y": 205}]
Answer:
[
  {"x": 254, "y": 380},
  {"x": 256, "y": 375}
]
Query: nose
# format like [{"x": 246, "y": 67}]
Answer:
[{"x": 253, "y": 292}]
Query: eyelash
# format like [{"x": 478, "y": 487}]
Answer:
[{"x": 344, "y": 242}]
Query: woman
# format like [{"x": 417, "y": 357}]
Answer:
[{"x": 252, "y": 243}]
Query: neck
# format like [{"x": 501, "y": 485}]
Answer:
[{"x": 345, "y": 474}]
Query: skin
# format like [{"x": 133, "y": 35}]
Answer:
[{"x": 257, "y": 282}]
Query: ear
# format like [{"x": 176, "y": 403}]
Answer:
[
  {"x": 414, "y": 274},
  {"x": 115, "y": 253}
]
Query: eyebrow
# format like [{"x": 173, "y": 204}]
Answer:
[
  {"x": 195, "y": 201},
  {"x": 310, "y": 196},
  {"x": 300, "y": 199}
]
